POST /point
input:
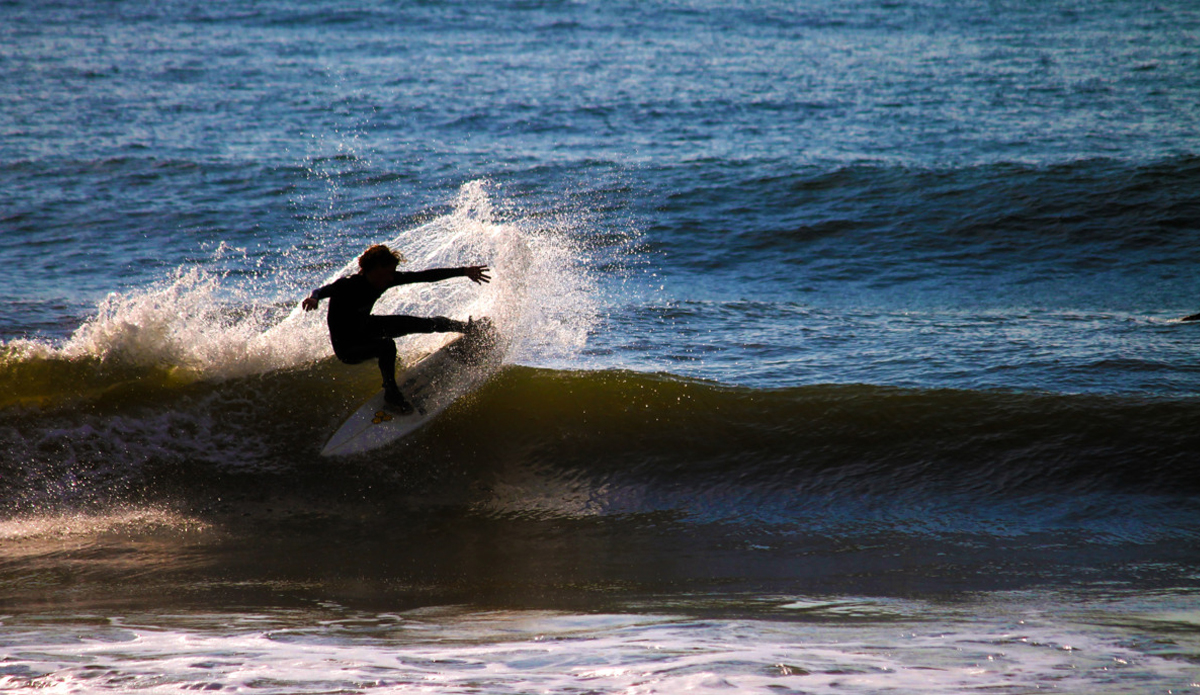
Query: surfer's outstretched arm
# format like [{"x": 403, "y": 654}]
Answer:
[{"x": 478, "y": 274}]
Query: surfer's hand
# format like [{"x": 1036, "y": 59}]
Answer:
[
  {"x": 310, "y": 303},
  {"x": 478, "y": 274}
]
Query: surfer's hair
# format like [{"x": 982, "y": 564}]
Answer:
[{"x": 379, "y": 255}]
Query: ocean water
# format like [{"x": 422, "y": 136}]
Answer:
[{"x": 845, "y": 352}]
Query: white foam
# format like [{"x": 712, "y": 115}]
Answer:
[
  {"x": 451, "y": 651},
  {"x": 539, "y": 295},
  {"x": 203, "y": 325}
]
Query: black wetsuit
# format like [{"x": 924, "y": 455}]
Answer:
[{"x": 358, "y": 335}]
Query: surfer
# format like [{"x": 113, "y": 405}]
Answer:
[{"x": 358, "y": 335}]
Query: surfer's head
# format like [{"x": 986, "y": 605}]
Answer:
[{"x": 379, "y": 256}]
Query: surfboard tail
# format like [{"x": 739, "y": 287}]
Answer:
[{"x": 477, "y": 344}]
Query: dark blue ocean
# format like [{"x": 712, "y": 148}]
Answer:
[{"x": 845, "y": 351}]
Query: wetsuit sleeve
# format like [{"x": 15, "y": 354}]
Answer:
[
  {"x": 328, "y": 290},
  {"x": 432, "y": 275}
]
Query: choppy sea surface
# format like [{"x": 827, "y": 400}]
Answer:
[{"x": 845, "y": 346}]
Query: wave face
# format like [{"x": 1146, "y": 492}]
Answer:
[{"x": 546, "y": 444}]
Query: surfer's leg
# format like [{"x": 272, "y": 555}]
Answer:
[
  {"x": 384, "y": 350},
  {"x": 381, "y": 349},
  {"x": 396, "y": 325},
  {"x": 387, "y": 368}
]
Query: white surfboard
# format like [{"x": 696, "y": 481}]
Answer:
[{"x": 461, "y": 365}]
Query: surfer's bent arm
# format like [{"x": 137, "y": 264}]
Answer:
[
  {"x": 311, "y": 301},
  {"x": 476, "y": 273}
]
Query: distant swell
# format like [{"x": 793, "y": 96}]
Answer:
[{"x": 894, "y": 225}]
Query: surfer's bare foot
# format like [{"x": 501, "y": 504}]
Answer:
[{"x": 393, "y": 397}]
